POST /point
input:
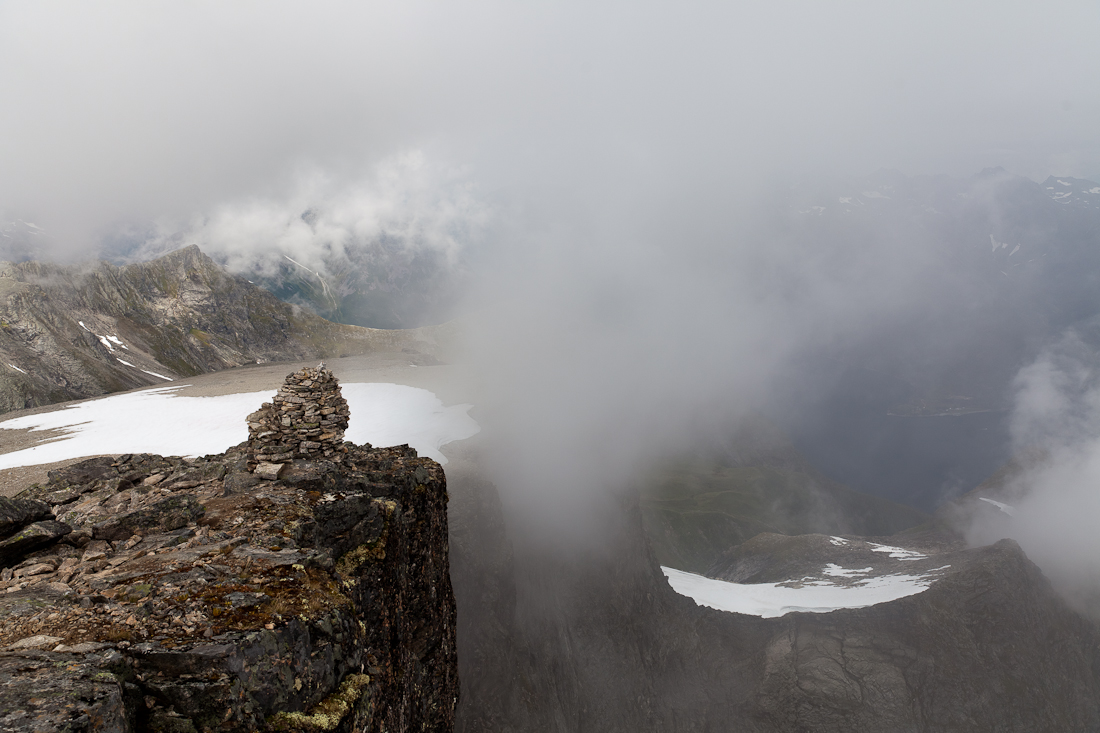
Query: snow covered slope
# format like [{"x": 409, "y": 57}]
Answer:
[{"x": 150, "y": 421}]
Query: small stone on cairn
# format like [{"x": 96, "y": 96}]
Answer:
[{"x": 306, "y": 419}]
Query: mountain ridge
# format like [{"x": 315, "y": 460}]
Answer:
[{"x": 70, "y": 332}]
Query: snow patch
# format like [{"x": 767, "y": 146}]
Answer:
[
  {"x": 838, "y": 572},
  {"x": 1064, "y": 183},
  {"x": 13, "y": 366},
  {"x": 838, "y": 541},
  {"x": 898, "y": 553},
  {"x": 135, "y": 366},
  {"x": 159, "y": 420},
  {"x": 1007, "y": 509},
  {"x": 769, "y": 600},
  {"x": 1014, "y": 250}
]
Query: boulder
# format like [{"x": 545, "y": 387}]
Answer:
[
  {"x": 30, "y": 538},
  {"x": 18, "y": 513}
]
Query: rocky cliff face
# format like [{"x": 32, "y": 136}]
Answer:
[
  {"x": 163, "y": 594},
  {"x": 598, "y": 641},
  {"x": 72, "y": 332}
]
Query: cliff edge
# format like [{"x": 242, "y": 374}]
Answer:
[{"x": 165, "y": 594}]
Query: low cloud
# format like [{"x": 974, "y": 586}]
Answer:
[
  {"x": 405, "y": 202},
  {"x": 1054, "y": 494}
]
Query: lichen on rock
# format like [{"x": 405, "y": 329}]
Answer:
[{"x": 187, "y": 594}]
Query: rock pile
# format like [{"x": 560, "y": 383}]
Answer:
[{"x": 306, "y": 419}]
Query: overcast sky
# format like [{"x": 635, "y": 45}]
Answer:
[
  {"x": 609, "y": 153},
  {"x": 131, "y": 111}
]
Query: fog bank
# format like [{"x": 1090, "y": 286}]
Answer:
[
  {"x": 1054, "y": 498},
  {"x": 605, "y": 178}
]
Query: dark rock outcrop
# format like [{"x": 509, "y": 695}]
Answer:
[{"x": 190, "y": 596}]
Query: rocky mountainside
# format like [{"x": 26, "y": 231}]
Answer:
[
  {"x": 72, "y": 332},
  {"x": 594, "y": 638},
  {"x": 147, "y": 593}
]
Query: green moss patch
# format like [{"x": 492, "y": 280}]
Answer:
[{"x": 329, "y": 712}]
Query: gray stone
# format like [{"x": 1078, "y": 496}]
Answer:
[
  {"x": 18, "y": 513},
  {"x": 268, "y": 471},
  {"x": 166, "y": 515},
  {"x": 235, "y": 483},
  {"x": 40, "y": 641},
  {"x": 31, "y": 538}
]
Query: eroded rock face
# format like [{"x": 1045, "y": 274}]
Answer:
[{"x": 189, "y": 595}]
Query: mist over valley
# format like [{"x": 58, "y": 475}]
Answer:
[{"x": 747, "y": 354}]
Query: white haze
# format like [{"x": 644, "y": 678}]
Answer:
[
  {"x": 404, "y": 199},
  {"x": 1055, "y": 498},
  {"x": 610, "y": 162}
]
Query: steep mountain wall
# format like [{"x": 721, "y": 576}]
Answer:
[{"x": 598, "y": 641}]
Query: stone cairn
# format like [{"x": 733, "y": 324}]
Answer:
[{"x": 306, "y": 419}]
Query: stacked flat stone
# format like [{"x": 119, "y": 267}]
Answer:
[{"x": 306, "y": 419}]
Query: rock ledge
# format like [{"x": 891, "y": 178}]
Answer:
[{"x": 167, "y": 594}]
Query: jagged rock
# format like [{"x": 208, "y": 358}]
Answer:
[
  {"x": 83, "y": 473},
  {"x": 17, "y": 513},
  {"x": 166, "y": 515},
  {"x": 71, "y": 693},
  {"x": 320, "y": 597},
  {"x": 30, "y": 538}
]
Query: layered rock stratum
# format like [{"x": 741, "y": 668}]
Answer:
[{"x": 144, "y": 592}]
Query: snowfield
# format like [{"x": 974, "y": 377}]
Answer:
[
  {"x": 160, "y": 420},
  {"x": 769, "y": 600}
]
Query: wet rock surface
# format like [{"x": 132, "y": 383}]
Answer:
[{"x": 189, "y": 595}]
